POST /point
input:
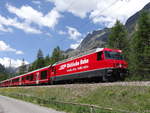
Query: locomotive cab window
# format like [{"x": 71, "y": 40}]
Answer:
[
  {"x": 113, "y": 55},
  {"x": 99, "y": 56},
  {"x": 43, "y": 74}
]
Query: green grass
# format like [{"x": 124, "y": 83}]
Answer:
[{"x": 128, "y": 98}]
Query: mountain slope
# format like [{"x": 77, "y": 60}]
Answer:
[
  {"x": 98, "y": 38},
  {"x": 95, "y": 39},
  {"x": 131, "y": 22}
]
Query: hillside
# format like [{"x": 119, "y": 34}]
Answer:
[
  {"x": 131, "y": 22},
  {"x": 98, "y": 38},
  {"x": 95, "y": 39}
]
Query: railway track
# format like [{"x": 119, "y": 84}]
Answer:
[{"x": 134, "y": 83}]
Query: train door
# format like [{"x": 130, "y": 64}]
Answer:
[
  {"x": 99, "y": 65},
  {"x": 49, "y": 73},
  {"x": 99, "y": 60},
  {"x": 52, "y": 75},
  {"x": 20, "y": 81},
  {"x": 54, "y": 70},
  {"x": 10, "y": 82},
  {"x": 37, "y": 77}
]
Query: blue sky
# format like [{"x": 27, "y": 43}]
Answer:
[{"x": 27, "y": 25}]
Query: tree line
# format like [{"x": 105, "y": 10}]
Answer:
[
  {"x": 41, "y": 61},
  {"x": 136, "y": 47}
]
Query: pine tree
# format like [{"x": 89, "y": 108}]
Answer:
[
  {"x": 118, "y": 38},
  {"x": 42, "y": 62},
  {"x": 2, "y": 68},
  {"x": 57, "y": 55},
  {"x": 3, "y": 73},
  {"x": 140, "y": 48},
  {"x": 39, "y": 63},
  {"x": 47, "y": 60},
  {"x": 31, "y": 68},
  {"x": 40, "y": 54},
  {"x": 22, "y": 68}
]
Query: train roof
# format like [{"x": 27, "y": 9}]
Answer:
[{"x": 85, "y": 53}]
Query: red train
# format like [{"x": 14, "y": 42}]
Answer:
[{"x": 98, "y": 64}]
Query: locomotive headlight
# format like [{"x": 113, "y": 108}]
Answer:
[{"x": 119, "y": 65}]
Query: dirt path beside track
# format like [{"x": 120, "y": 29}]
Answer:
[{"x": 10, "y": 105}]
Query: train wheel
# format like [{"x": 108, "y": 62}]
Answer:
[
  {"x": 122, "y": 78},
  {"x": 108, "y": 78},
  {"x": 111, "y": 78},
  {"x": 104, "y": 78},
  {"x": 98, "y": 79}
]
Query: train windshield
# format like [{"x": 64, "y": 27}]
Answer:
[{"x": 113, "y": 55}]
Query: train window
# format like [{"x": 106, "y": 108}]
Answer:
[
  {"x": 23, "y": 78},
  {"x": 113, "y": 55},
  {"x": 27, "y": 78},
  {"x": 99, "y": 56},
  {"x": 30, "y": 77},
  {"x": 15, "y": 80},
  {"x": 43, "y": 74}
]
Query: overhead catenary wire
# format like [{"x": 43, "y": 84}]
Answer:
[
  {"x": 103, "y": 10},
  {"x": 73, "y": 1},
  {"x": 86, "y": 23}
]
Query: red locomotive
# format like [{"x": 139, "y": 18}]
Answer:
[{"x": 98, "y": 64}]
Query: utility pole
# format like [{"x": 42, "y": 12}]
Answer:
[{"x": 10, "y": 68}]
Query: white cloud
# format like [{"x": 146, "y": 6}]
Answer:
[
  {"x": 48, "y": 34},
  {"x": 30, "y": 15},
  {"x": 105, "y": 20},
  {"x": 73, "y": 33},
  {"x": 98, "y": 11},
  {"x": 19, "y": 52},
  {"x": 101, "y": 11},
  {"x": 62, "y": 32},
  {"x": 120, "y": 10},
  {"x": 75, "y": 45},
  {"x": 14, "y": 23},
  {"x": 14, "y": 62},
  {"x": 77, "y": 7},
  {"x": 4, "y": 29},
  {"x": 6, "y": 47}
]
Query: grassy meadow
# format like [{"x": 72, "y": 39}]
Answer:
[{"x": 126, "y": 98}]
